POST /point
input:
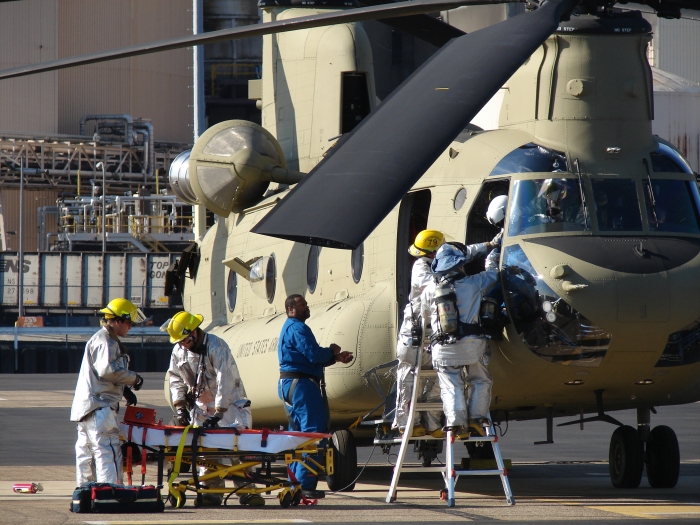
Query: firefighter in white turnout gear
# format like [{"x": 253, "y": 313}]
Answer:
[
  {"x": 205, "y": 386},
  {"x": 462, "y": 345},
  {"x": 103, "y": 380},
  {"x": 409, "y": 349}
]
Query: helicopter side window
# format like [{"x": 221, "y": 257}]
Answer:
[
  {"x": 616, "y": 205},
  {"x": 263, "y": 277},
  {"x": 549, "y": 326},
  {"x": 545, "y": 206},
  {"x": 667, "y": 160},
  {"x": 672, "y": 205},
  {"x": 531, "y": 158}
]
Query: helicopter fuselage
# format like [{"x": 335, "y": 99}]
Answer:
[{"x": 600, "y": 273}]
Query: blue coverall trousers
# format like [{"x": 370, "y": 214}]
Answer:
[{"x": 308, "y": 414}]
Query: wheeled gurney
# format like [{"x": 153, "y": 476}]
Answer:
[{"x": 251, "y": 453}]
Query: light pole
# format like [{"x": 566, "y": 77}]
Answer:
[
  {"x": 20, "y": 255},
  {"x": 104, "y": 208}
]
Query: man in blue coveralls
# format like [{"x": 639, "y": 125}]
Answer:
[{"x": 301, "y": 368}]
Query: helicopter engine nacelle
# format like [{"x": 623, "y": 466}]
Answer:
[{"x": 230, "y": 167}]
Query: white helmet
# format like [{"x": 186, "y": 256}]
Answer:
[{"x": 497, "y": 210}]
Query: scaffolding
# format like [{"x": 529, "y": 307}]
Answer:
[{"x": 69, "y": 162}]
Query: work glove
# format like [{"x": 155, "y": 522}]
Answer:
[
  {"x": 212, "y": 422},
  {"x": 492, "y": 259},
  {"x": 139, "y": 383},
  {"x": 183, "y": 416},
  {"x": 496, "y": 241},
  {"x": 130, "y": 397}
]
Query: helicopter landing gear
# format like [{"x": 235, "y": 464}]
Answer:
[
  {"x": 626, "y": 458},
  {"x": 663, "y": 458},
  {"x": 344, "y": 462},
  {"x": 628, "y": 455}
]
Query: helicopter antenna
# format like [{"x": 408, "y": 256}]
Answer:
[
  {"x": 650, "y": 190},
  {"x": 583, "y": 195}
]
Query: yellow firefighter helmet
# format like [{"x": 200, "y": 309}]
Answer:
[{"x": 427, "y": 241}]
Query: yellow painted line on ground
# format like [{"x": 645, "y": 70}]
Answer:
[
  {"x": 180, "y": 522},
  {"x": 649, "y": 511}
]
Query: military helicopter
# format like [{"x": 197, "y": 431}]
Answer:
[{"x": 599, "y": 265}]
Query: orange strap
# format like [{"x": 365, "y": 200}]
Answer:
[{"x": 143, "y": 452}]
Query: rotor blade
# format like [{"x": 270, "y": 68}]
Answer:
[
  {"x": 281, "y": 26},
  {"x": 367, "y": 173},
  {"x": 426, "y": 28}
]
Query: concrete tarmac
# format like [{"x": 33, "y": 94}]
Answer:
[{"x": 565, "y": 481}]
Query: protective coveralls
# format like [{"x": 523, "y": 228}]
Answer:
[
  {"x": 103, "y": 374},
  {"x": 212, "y": 380},
  {"x": 209, "y": 377},
  {"x": 302, "y": 360},
  {"x": 407, "y": 354},
  {"x": 471, "y": 351}
]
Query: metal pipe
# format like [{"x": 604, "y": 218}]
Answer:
[
  {"x": 128, "y": 124},
  {"x": 41, "y": 213},
  {"x": 48, "y": 240},
  {"x": 146, "y": 128},
  {"x": 20, "y": 256},
  {"x": 104, "y": 208},
  {"x": 199, "y": 211}
]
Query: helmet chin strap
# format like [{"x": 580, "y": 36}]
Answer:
[{"x": 198, "y": 347}]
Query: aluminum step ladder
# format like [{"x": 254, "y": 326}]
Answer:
[{"x": 449, "y": 473}]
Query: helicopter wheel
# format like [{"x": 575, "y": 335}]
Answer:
[
  {"x": 626, "y": 458},
  {"x": 344, "y": 462},
  {"x": 663, "y": 458}
]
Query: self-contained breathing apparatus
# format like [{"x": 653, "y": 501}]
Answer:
[
  {"x": 416, "y": 328},
  {"x": 451, "y": 329}
]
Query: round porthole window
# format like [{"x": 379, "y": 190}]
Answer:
[
  {"x": 263, "y": 277},
  {"x": 232, "y": 290},
  {"x": 357, "y": 261},
  {"x": 460, "y": 199},
  {"x": 312, "y": 268}
]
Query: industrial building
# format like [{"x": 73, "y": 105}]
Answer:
[{"x": 115, "y": 127}]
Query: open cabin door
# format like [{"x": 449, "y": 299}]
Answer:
[
  {"x": 413, "y": 218},
  {"x": 479, "y": 229}
]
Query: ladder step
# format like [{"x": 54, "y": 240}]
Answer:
[
  {"x": 477, "y": 472},
  {"x": 422, "y": 469},
  {"x": 428, "y": 406}
]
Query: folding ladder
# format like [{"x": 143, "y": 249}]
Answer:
[{"x": 448, "y": 471}]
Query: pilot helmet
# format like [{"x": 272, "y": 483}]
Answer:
[
  {"x": 181, "y": 325},
  {"x": 497, "y": 210},
  {"x": 123, "y": 309},
  {"x": 554, "y": 192},
  {"x": 426, "y": 242}
]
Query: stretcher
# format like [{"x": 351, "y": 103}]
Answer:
[{"x": 245, "y": 456}]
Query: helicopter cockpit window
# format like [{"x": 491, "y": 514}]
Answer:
[
  {"x": 549, "y": 326},
  {"x": 672, "y": 205},
  {"x": 545, "y": 206},
  {"x": 667, "y": 160},
  {"x": 531, "y": 158},
  {"x": 616, "y": 205},
  {"x": 263, "y": 278},
  {"x": 682, "y": 347}
]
